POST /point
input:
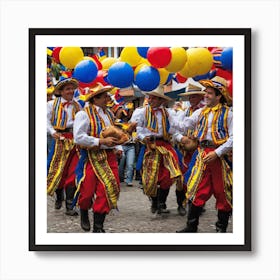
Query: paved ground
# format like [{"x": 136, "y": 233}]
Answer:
[{"x": 134, "y": 215}]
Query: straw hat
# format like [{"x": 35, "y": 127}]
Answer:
[
  {"x": 98, "y": 89},
  {"x": 159, "y": 92},
  {"x": 64, "y": 81},
  {"x": 220, "y": 84},
  {"x": 192, "y": 90}
]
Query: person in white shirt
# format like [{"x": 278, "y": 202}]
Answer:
[
  {"x": 63, "y": 156},
  {"x": 97, "y": 170},
  {"x": 160, "y": 162},
  {"x": 210, "y": 171}
]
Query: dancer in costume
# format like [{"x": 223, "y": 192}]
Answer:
[
  {"x": 209, "y": 170},
  {"x": 63, "y": 157},
  {"x": 194, "y": 95},
  {"x": 97, "y": 170},
  {"x": 160, "y": 162}
]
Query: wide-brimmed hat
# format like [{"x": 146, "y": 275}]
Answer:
[
  {"x": 93, "y": 91},
  {"x": 159, "y": 92},
  {"x": 64, "y": 81},
  {"x": 220, "y": 84},
  {"x": 192, "y": 90}
]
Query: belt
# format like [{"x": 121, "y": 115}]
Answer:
[{"x": 207, "y": 144}]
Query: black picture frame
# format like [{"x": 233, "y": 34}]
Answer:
[{"x": 244, "y": 32}]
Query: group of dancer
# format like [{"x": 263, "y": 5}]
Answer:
[{"x": 190, "y": 148}]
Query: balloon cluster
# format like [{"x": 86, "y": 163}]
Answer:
[{"x": 145, "y": 67}]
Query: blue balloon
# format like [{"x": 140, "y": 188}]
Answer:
[
  {"x": 120, "y": 75},
  {"x": 143, "y": 51},
  {"x": 85, "y": 71},
  {"x": 147, "y": 78},
  {"x": 226, "y": 59},
  {"x": 201, "y": 77}
]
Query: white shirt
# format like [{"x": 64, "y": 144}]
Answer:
[
  {"x": 191, "y": 123},
  {"x": 81, "y": 130},
  {"x": 139, "y": 117},
  {"x": 68, "y": 109}
]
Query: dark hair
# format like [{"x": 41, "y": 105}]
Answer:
[{"x": 217, "y": 93}]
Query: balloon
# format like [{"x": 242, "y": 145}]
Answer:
[
  {"x": 163, "y": 74},
  {"x": 216, "y": 53},
  {"x": 201, "y": 77},
  {"x": 187, "y": 71},
  {"x": 159, "y": 57},
  {"x": 147, "y": 78},
  {"x": 178, "y": 59},
  {"x": 226, "y": 59},
  {"x": 180, "y": 79},
  {"x": 85, "y": 71},
  {"x": 97, "y": 62},
  {"x": 229, "y": 85},
  {"x": 55, "y": 54},
  {"x": 70, "y": 56},
  {"x": 108, "y": 62},
  {"x": 143, "y": 51},
  {"x": 139, "y": 66},
  {"x": 130, "y": 55},
  {"x": 120, "y": 74},
  {"x": 200, "y": 61}
]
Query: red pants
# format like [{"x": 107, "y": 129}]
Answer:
[
  {"x": 164, "y": 179},
  {"x": 212, "y": 183},
  {"x": 92, "y": 189}
]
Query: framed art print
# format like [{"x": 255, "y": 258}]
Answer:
[{"x": 173, "y": 58}]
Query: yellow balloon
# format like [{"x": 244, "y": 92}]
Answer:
[
  {"x": 88, "y": 58},
  {"x": 163, "y": 74},
  {"x": 130, "y": 55},
  {"x": 200, "y": 60},
  {"x": 187, "y": 71},
  {"x": 108, "y": 62},
  {"x": 70, "y": 56},
  {"x": 178, "y": 59}
]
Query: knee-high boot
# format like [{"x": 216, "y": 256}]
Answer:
[
  {"x": 180, "y": 196},
  {"x": 70, "y": 211},
  {"x": 222, "y": 223},
  {"x": 98, "y": 221},
  {"x": 193, "y": 219},
  {"x": 85, "y": 224},
  {"x": 59, "y": 198},
  {"x": 162, "y": 196}
]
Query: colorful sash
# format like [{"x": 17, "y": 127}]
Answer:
[
  {"x": 219, "y": 129},
  {"x": 151, "y": 168},
  {"x": 193, "y": 176},
  {"x": 59, "y": 115},
  {"x": 152, "y": 123},
  {"x": 57, "y": 159}
]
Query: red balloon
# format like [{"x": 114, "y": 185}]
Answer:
[
  {"x": 180, "y": 78},
  {"x": 84, "y": 85},
  {"x": 229, "y": 84},
  {"x": 98, "y": 63},
  {"x": 224, "y": 73},
  {"x": 159, "y": 57},
  {"x": 55, "y": 54}
]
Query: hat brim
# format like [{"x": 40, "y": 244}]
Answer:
[
  {"x": 62, "y": 83},
  {"x": 187, "y": 94},
  {"x": 88, "y": 96},
  {"x": 159, "y": 95}
]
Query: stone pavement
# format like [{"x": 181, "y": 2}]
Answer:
[{"x": 134, "y": 215}]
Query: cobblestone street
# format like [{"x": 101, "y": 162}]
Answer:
[{"x": 134, "y": 215}]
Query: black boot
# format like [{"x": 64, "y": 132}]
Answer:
[
  {"x": 193, "y": 219},
  {"x": 59, "y": 198},
  {"x": 222, "y": 223},
  {"x": 85, "y": 224},
  {"x": 162, "y": 196},
  {"x": 154, "y": 206},
  {"x": 98, "y": 220},
  {"x": 180, "y": 195},
  {"x": 70, "y": 209}
]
